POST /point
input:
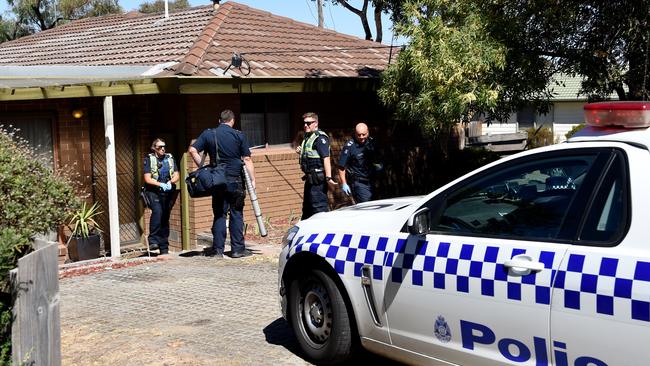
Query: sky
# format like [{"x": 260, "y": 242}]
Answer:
[{"x": 336, "y": 17}]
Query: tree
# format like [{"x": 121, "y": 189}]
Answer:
[
  {"x": 158, "y": 6},
  {"x": 445, "y": 73},
  {"x": 521, "y": 46},
  {"x": 380, "y": 6},
  {"x": 607, "y": 42},
  {"x": 31, "y": 16}
]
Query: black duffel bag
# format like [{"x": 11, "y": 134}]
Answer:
[{"x": 207, "y": 178}]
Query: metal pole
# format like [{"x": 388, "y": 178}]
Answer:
[
  {"x": 111, "y": 177},
  {"x": 256, "y": 206},
  {"x": 185, "y": 205}
]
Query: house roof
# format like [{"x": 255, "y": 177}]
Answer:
[
  {"x": 568, "y": 88},
  {"x": 200, "y": 42}
]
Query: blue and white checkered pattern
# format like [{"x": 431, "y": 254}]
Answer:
[
  {"x": 605, "y": 286},
  {"x": 609, "y": 286}
]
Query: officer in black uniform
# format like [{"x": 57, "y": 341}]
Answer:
[
  {"x": 357, "y": 164},
  {"x": 160, "y": 177},
  {"x": 315, "y": 163},
  {"x": 233, "y": 149}
]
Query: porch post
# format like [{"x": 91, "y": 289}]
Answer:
[{"x": 111, "y": 177}]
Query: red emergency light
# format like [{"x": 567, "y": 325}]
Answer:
[{"x": 624, "y": 114}]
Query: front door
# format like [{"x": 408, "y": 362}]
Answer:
[{"x": 127, "y": 178}]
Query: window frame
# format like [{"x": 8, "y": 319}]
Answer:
[
  {"x": 576, "y": 213},
  {"x": 627, "y": 202}
]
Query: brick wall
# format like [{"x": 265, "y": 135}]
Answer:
[
  {"x": 279, "y": 186},
  {"x": 71, "y": 140}
]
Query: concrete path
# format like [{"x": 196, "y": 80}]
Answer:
[{"x": 186, "y": 310}]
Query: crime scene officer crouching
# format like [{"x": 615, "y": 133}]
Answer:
[
  {"x": 357, "y": 164},
  {"x": 160, "y": 177},
  {"x": 315, "y": 163}
]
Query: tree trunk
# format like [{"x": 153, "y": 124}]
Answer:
[
  {"x": 362, "y": 14},
  {"x": 380, "y": 32}
]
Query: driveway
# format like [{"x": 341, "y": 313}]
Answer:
[{"x": 190, "y": 310}]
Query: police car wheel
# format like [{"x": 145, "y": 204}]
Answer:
[{"x": 320, "y": 318}]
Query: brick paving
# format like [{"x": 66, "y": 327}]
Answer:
[{"x": 191, "y": 310}]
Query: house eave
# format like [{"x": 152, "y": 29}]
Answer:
[{"x": 39, "y": 87}]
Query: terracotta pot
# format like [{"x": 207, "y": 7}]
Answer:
[{"x": 81, "y": 249}]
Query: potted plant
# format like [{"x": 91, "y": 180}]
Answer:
[{"x": 84, "y": 241}]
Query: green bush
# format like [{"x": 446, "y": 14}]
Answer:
[
  {"x": 574, "y": 130},
  {"x": 539, "y": 137},
  {"x": 33, "y": 200}
]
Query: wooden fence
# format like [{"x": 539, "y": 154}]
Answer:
[{"x": 36, "y": 329}]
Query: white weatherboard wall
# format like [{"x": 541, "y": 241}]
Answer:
[
  {"x": 567, "y": 115},
  {"x": 560, "y": 130},
  {"x": 499, "y": 128},
  {"x": 569, "y": 112}
]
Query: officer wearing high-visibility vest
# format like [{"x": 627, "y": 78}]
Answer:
[
  {"x": 315, "y": 163},
  {"x": 357, "y": 165},
  {"x": 160, "y": 177}
]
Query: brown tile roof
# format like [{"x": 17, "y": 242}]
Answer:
[{"x": 202, "y": 42}]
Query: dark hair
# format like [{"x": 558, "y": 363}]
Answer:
[
  {"x": 310, "y": 115},
  {"x": 155, "y": 142},
  {"x": 226, "y": 116}
]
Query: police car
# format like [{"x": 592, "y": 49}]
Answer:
[{"x": 541, "y": 258}]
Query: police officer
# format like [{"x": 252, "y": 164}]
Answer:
[
  {"x": 160, "y": 177},
  {"x": 233, "y": 148},
  {"x": 358, "y": 160},
  {"x": 315, "y": 163}
]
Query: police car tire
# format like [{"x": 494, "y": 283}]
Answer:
[{"x": 338, "y": 345}]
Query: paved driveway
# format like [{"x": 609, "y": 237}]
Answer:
[{"x": 184, "y": 311}]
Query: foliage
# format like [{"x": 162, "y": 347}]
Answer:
[
  {"x": 538, "y": 137},
  {"x": 573, "y": 131},
  {"x": 444, "y": 75},
  {"x": 31, "y": 16},
  {"x": 32, "y": 200},
  {"x": 394, "y": 7},
  {"x": 82, "y": 223},
  {"x": 522, "y": 47},
  {"x": 607, "y": 42},
  {"x": 158, "y": 6}
]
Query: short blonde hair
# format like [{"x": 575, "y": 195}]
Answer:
[{"x": 310, "y": 115}]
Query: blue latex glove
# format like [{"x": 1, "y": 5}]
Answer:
[
  {"x": 346, "y": 189},
  {"x": 166, "y": 187}
]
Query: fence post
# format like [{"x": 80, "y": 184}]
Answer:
[{"x": 36, "y": 329}]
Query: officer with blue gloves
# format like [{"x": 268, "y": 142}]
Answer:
[
  {"x": 160, "y": 177},
  {"x": 315, "y": 163},
  {"x": 357, "y": 164}
]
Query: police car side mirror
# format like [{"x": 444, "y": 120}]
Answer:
[{"x": 418, "y": 223}]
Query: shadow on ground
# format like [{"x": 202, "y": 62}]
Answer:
[{"x": 279, "y": 333}]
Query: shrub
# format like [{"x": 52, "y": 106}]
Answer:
[
  {"x": 33, "y": 200},
  {"x": 574, "y": 130},
  {"x": 539, "y": 137}
]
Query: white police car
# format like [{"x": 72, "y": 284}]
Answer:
[{"x": 541, "y": 258}]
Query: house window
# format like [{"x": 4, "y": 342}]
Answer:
[
  {"x": 37, "y": 131},
  {"x": 265, "y": 119}
]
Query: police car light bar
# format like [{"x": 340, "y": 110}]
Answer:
[{"x": 625, "y": 114}]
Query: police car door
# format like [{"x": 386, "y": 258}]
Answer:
[
  {"x": 477, "y": 289},
  {"x": 601, "y": 298}
]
